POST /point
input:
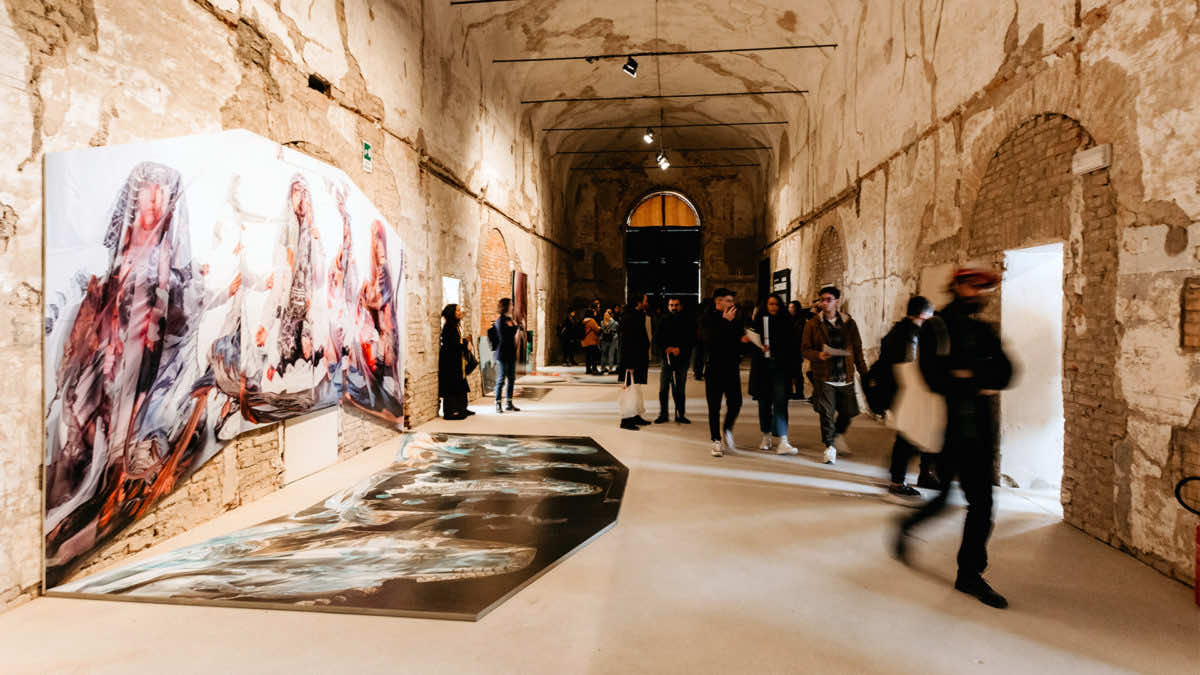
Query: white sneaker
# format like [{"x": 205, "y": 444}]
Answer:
[
  {"x": 766, "y": 443},
  {"x": 718, "y": 449},
  {"x": 728, "y": 435},
  {"x": 785, "y": 448},
  {"x": 830, "y": 455}
]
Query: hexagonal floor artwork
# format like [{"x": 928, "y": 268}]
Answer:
[{"x": 459, "y": 523}]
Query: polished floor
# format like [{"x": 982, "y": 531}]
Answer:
[{"x": 747, "y": 563}]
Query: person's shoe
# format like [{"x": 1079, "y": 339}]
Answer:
[
  {"x": 499, "y": 408},
  {"x": 839, "y": 442},
  {"x": 728, "y": 436},
  {"x": 904, "y": 495},
  {"x": 830, "y": 455},
  {"x": 662, "y": 419},
  {"x": 765, "y": 445},
  {"x": 974, "y": 585},
  {"x": 680, "y": 419},
  {"x": 455, "y": 416},
  {"x": 638, "y": 420},
  {"x": 785, "y": 448},
  {"x": 718, "y": 449},
  {"x": 468, "y": 412},
  {"x": 929, "y": 480},
  {"x": 511, "y": 407},
  {"x": 629, "y": 424}
]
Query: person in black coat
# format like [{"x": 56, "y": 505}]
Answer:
[
  {"x": 673, "y": 342},
  {"x": 968, "y": 372},
  {"x": 799, "y": 315},
  {"x": 452, "y": 356},
  {"x": 505, "y": 354},
  {"x": 900, "y": 346},
  {"x": 635, "y": 355},
  {"x": 771, "y": 373},
  {"x": 724, "y": 334}
]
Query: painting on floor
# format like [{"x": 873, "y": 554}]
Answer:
[
  {"x": 197, "y": 288},
  {"x": 457, "y": 524}
]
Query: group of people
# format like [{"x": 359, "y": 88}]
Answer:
[{"x": 958, "y": 356}]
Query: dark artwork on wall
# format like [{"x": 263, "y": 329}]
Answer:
[
  {"x": 455, "y": 526},
  {"x": 520, "y": 315},
  {"x": 197, "y": 288}
]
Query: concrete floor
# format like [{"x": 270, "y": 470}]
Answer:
[{"x": 748, "y": 563}]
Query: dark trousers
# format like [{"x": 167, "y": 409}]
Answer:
[
  {"x": 700, "y": 359},
  {"x": 796, "y": 385},
  {"x": 506, "y": 375},
  {"x": 672, "y": 376},
  {"x": 592, "y": 356},
  {"x": 836, "y": 406},
  {"x": 568, "y": 347},
  {"x": 970, "y": 454},
  {"x": 454, "y": 405},
  {"x": 902, "y": 454},
  {"x": 716, "y": 385},
  {"x": 773, "y": 404}
]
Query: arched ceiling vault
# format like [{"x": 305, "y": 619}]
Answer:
[{"x": 548, "y": 28}]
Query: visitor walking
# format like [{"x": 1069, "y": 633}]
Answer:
[
  {"x": 799, "y": 315},
  {"x": 505, "y": 354},
  {"x": 723, "y": 334},
  {"x": 673, "y": 342},
  {"x": 610, "y": 343},
  {"x": 900, "y": 345},
  {"x": 968, "y": 372},
  {"x": 832, "y": 345},
  {"x": 771, "y": 373},
  {"x": 635, "y": 358}
]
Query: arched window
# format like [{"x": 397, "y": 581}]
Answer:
[{"x": 662, "y": 248}]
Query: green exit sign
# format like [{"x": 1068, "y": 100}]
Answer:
[{"x": 367, "y": 157}]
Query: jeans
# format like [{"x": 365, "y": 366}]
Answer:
[
  {"x": 673, "y": 375},
  {"x": 608, "y": 354},
  {"x": 716, "y": 385},
  {"x": 773, "y": 404},
  {"x": 829, "y": 401},
  {"x": 506, "y": 375}
]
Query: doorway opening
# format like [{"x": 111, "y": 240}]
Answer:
[
  {"x": 1031, "y": 326},
  {"x": 662, "y": 248}
]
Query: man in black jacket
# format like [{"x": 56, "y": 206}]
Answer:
[
  {"x": 723, "y": 333},
  {"x": 900, "y": 346},
  {"x": 968, "y": 374},
  {"x": 673, "y": 342},
  {"x": 635, "y": 355}
]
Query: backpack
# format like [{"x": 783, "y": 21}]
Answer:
[
  {"x": 493, "y": 337},
  {"x": 879, "y": 387}
]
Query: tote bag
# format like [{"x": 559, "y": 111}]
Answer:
[
  {"x": 917, "y": 412},
  {"x": 627, "y": 400}
]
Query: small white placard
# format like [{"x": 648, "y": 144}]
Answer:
[{"x": 1092, "y": 159}]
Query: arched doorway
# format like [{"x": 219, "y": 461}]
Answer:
[
  {"x": 495, "y": 282},
  {"x": 662, "y": 247}
]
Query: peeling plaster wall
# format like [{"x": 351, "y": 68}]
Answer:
[
  {"x": 597, "y": 204},
  {"x": 452, "y": 158},
  {"x": 903, "y": 126}
]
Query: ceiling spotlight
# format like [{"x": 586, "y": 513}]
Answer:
[
  {"x": 662, "y": 161},
  {"x": 630, "y": 67},
  {"x": 649, "y": 135}
]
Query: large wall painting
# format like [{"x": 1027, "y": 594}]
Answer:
[
  {"x": 196, "y": 288},
  {"x": 456, "y": 525}
]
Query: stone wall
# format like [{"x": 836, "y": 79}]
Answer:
[
  {"x": 986, "y": 107},
  {"x": 451, "y": 161}
]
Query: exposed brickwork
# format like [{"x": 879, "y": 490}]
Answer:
[
  {"x": 358, "y": 431},
  {"x": 495, "y": 278},
  {"x": 1190, "y": 316},
  {"x": 831, "y": 260}
]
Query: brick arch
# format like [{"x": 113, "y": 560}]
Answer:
[
  {"x": 1028, "y": 196},
  {"x": 495, "y": 276},
  {"x": 830, "y": 257}
]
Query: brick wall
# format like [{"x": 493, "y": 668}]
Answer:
[
  {"x": 831, "y": 261},
  {"x": 495, "y": 278},
  {"x": 1190, "y": 315}
]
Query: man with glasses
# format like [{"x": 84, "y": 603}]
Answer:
[{"x": 832, "y": 345}]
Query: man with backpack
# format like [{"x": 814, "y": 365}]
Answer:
[
  {"x": 502, "y": 338},
  {"x": 968, "y": 371}
]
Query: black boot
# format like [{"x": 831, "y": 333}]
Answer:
[
  {"x": 629, "y": 424},
  {"x": 499, "y": 408},
  {"x": 973, "y": 584},
  {"x": 511, "y": 407}
]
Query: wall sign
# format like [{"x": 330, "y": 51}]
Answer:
[{"x": 781, "y": 283}]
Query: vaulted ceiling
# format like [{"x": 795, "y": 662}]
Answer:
[{"x": 553, "y": 28}]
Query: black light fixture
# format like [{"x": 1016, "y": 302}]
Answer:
[
  {"x": 649, "y": 135},
  {"x": 630, "y": 67},
  {"x": 663, "y": 162}
]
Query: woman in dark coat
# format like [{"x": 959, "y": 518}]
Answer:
[
  {"x": 452, "y": 358},
  {"x": 771, "y": 373}
]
